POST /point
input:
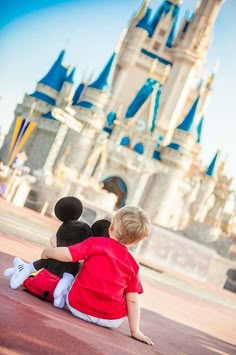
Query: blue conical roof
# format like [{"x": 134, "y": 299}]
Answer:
[
  {"x": 78, "y": 93},
  {"x": 211, "y": 168},
  {"x": 105, "y": 79},
  {"x": 165, "y": 8},
  {"x": 144, "y": 22},
  {"x": 199, "y": 130},
  {"x": 187, "y": 123},
  {"x": 70, "y": 77},
  {"x": 56, "y": 75}
]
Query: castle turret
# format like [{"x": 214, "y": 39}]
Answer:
[
  {"x": 178, "y": 152},
  {"x": 205, "y": 198},
  {"x": 91, "y": 112},
  {"x": 169, "y": 187},
  {"x": 65, "y": 96},
  {"x": 42, "y": 100},
  {"x": 163, "y": 25},
  {"x": 188, "y": 50},
  {"x": 196, "y": 37}
]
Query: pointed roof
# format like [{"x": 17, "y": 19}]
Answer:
[
  {"x": 70, "y": 77},
  {"x": 110, "y": 120},
  {"x": 105, "y": 79},
  {"x": 211, "y": 168},
  {"x": 187, "y": 123},
  {"x": 144, "y": 21},
  {"x": 141, "y": 11},
  {"x": 171, "y": 37},
  {"x": 56, "y": 75},
  {"x": 78, "y": 93},
  {"x": 165, "y": 8},
  {"x": 199, "y": 130}
]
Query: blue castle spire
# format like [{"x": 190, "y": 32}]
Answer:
[
  {"x": 211, "y": 168},
  {"x": 199, "y": 130},
  {"x": 78, "y": 93},
  {"x": 104, "y": 80},
  {"x": 70, "y": 77},
  {"x": 56, "y": 75},
  {"x": 144, "y": 22},
  {"x": 187, "y": 123},
  {"x": 165, "y": 8}
]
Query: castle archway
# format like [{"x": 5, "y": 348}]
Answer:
[{"x": 118, "y": 187}]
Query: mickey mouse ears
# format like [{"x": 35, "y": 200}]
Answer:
[{"x": 68, "y": 209}]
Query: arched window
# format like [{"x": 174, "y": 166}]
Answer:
[
  {"x": 125, "y": 141},
  {"x": 139, "y": 148}
]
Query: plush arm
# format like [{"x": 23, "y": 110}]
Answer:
[
  {"x": 19, "y": 272},
  {"x": 133, "y": 306}
]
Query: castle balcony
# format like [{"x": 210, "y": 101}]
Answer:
[
  {"x": 92, "y": 117},
  {"x": 158, "y": 67},
  {"x": 130, "y": 160}
]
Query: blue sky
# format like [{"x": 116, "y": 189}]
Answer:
[{"x": 32, "y": 33}]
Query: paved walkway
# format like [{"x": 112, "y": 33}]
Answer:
[{"x": 177, "y": 322}]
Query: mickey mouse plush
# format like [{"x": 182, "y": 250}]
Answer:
[
  {"x": 53, "y": 282},
  {"x": 72, "y": 231}
]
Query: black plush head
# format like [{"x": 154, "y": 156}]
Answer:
[
  {"x": 100, "y": 228},
  {"x": 72, "y": 232},
  {"x": 68, "y": 210}
]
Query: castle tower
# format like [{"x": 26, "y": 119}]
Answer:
[
  {"x": 90, "y": 105},
  {"x": 164, "y": 194},
  {"x": 196, "y": 163},
  {"x": 189, "y": 51},
  {"x": 205, "y": 198},
  {"x": 131, "y": 144},
  {"x": 221, "y": 193},
  {"x": 42, "y": 100},
  {"x": 137, "y": 60},
  {"x": 65, "y": 95}
]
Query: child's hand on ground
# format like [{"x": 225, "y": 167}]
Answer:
[{"x": 141, "y": 337}]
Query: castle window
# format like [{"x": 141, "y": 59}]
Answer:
[
  {"x": 125, "y": 141},
  {"x": 156, "y": 46},
  {"x": 139, "y": 148}
]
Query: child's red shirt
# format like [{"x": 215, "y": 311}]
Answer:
[{"x": 109, "y": 272}]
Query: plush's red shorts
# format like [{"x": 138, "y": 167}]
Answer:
[{"x": 42, "y": 285}]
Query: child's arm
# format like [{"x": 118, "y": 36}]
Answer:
[
  {"x": 61, "y": 254},
  {"x": 133, "y": 306}
]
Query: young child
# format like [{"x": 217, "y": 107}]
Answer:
[{"x": 106, "y": 289}]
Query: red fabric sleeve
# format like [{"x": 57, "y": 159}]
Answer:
[
  {"x": 134, "y": 285},
  {"x": 83, "y": 250}
]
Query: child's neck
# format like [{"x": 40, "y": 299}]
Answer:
[{"x": 113, "y": 236}]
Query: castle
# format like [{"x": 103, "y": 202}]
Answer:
[{"x": 137, "y": 128}]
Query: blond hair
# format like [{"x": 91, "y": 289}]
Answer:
[{"x": 131, "y": 224}]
